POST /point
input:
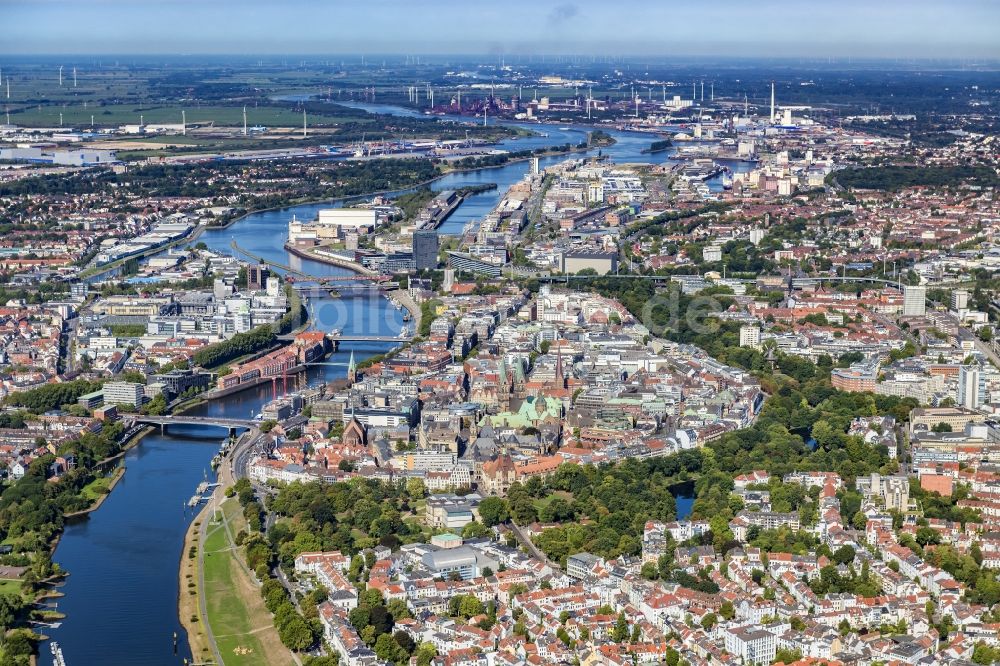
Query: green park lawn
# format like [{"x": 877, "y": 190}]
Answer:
[
  {"x": 545, "y": 501},
  {"x": 10, "y": 586},
  {"x": 242, "y": 626}
]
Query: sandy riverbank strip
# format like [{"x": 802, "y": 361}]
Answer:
[{"x": 188, "y": 610}]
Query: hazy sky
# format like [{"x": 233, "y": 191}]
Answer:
[{"x": 860, "y": 28}]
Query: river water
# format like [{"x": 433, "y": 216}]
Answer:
[{"x": 121, "y": 595}]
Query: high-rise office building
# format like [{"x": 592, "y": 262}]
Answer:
[
  {"x": 257, "y": 276},
  {"x": 750, "y": 336},
  {"x": 959, "y": 299},
  {"x": 971, "y": 386},
  {"x": 914, "y": 301},
  {"x": 425, "y": 249}
]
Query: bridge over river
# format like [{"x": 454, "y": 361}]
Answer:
[
  {"x": 232, "y": 425},
  {"x": 332, "y": 282}
]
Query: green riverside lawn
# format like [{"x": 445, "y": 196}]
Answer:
[{"x": 242, "y": 626}]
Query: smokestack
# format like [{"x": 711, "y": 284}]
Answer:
[{"x": 772, "y": 101}]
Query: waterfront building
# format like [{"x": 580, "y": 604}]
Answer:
[
  {"x": 124, "y": 393},
  {"x": 425, "y": 249}
]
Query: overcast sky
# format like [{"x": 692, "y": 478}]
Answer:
[{"x": 859, "y": 28}]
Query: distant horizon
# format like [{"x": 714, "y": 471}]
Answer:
[
  {"x": 353, "y": 57},
  {"x": 772, "y": 29}
]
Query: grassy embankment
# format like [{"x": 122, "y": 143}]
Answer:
[{"x": 241, "y": 624}]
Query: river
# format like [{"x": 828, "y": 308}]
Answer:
[{"x": 121, "y": 595}]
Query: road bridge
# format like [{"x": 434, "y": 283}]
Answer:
[
  {"x": 320, "y": 279},
  {"x": 337, "y": 338},
  {"x": 232, "y": 425}
]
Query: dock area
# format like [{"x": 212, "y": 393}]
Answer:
[
  {"x": 438, "y": 210},
  {"x": 202, "y": 493}
]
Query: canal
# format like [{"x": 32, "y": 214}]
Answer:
[{"x": 121, "y": 596}]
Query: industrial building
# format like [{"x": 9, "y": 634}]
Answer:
[
  {"x": 353, "y": 218},
  {"x": 61, "y": 157},
  {"x": 332, "y": 224},
  {"x": 602, "y": 262}
]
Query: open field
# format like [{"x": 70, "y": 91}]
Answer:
[
  {"x": 242, "y": 626},
  {"x": 112, "y": 115},
  {"x": 548, "y": 499},
  {"x": 96, "y": 488},
  {"x": 9, "y": 586}
]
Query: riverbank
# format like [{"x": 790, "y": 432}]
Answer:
[
  {"x": 219, "y": 603},
  {"x": 189, "y": 591},
  {"x": 329, "y": 259},
  {"x": 116, "y": 477},
  {"x": 312, "y": 202},
  {"x": 516, "y": 160},
  {"x": 364, "y": 195},
  {"x": 400, "y": 295}
]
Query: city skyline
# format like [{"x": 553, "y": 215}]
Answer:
[{"x": 924, "y": 29}]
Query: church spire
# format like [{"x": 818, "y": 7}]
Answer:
[
  {"x": 352, "y": 369},
  {"x": 560, "y": 381}
]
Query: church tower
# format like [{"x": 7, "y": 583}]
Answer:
[
  {"x": 503, "y": 386},
  {"x": 352, "y": 370},
  {"x": 520, "y": 387},
  {"x": 560, "y": 380}
]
